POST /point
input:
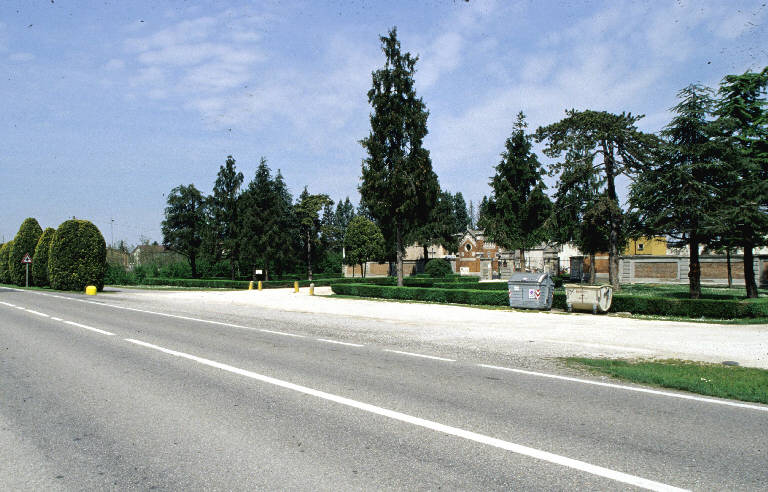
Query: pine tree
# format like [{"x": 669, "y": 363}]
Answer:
[
  {"x": 518, "y": 207},
  {"x": 742, "y": 121},
  {"x": 224, "y": 211},
  {"x": 676, "y": 195},
  {"x": 307, "y": 214},
  {"x": 460, "y": 214},
  {"x": 623, "y": 150},
  {"x": 398, "y": 185}
]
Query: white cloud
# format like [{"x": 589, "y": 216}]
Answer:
[
  {"x": 21, "y": 57},
  {"x": 114, "y": 64}
]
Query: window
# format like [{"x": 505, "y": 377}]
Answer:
[
  {"x": 468, "y": 247},
  {"x": 640, "y": 246}
]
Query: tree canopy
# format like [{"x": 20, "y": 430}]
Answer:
[{"x": 184, "y": 222}]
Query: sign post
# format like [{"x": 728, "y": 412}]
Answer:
[{"x": 27, "y": 260}]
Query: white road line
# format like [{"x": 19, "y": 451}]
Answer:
[
  {"x": 56, "y": 319},
  {"x": 419, "y": 355},
  {"x": 20, "y": 307},
  {"x": 103, "y": 332},
  {"x": 629, "y": 388},
  {"x": 428, "y": 424},
  {"x": 339, "y": 343},
  {"x": 281, "y": 333},
  {"x": 7, "y": 304},
  {"x": 37, "y": 313}
]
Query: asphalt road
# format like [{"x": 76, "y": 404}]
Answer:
[{"x": 98, "y": 396}]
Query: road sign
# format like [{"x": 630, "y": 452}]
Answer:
[{"x": 26, "y": 259}]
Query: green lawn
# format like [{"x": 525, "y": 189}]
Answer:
[{"x": 737, "y": 383}]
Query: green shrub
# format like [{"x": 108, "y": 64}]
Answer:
[
  {"x": 78, "y": 256},
  {"x": 472, "y": 285},
  {"x": 178, "y": 269},
  {"x": 24, "y": 243},
  {"x": 40, "y": 264},
  {"x": 438, "y": 268},
  {"x": 226, "y": 284},
  {"x": 117, "y": 275},
  {"x": 5, "y": 273}
]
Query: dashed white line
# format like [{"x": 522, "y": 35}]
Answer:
[
  {"x": 427, "y": 424},
  {"x": 86, "y": 327},
  {"x": 339, "y": 343},
  {"x": 281, "y": 333},
  {"x": 419, "y": 355},
  {"x": 628, "y": 388},
  {"x": 37, "y": 313}
]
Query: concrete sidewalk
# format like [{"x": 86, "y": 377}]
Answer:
[{"x": 538, "y": 334}]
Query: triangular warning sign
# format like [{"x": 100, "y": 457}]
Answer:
[{"x": 26, "y": 259}]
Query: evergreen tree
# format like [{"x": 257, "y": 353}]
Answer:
[
  {"x": 518, "y": 207},
  {"x": 472, "y": 215},
  {"x": 742, "y": 123},
  {"x": 398, "y": 184},
  {"x": 224, "y": 211},
  {"x": 307, "y": 215},
  {"x": 184, "y": 222},
  {"x": 580, "y": 212},
  {"x": 39, "y": 270},
  {"x": 676, "y": 195},
  {"x": 283, "y": 246},
  {"x": 482, "y": 213},
  {"x": 24, "y": 243},
  {"x": 460, "y": 214},
  {"x": 255, "y": 217},
  {"x": 623, "y": 149}
]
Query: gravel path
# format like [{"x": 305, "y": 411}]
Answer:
[{"x": 520, "y": 337}]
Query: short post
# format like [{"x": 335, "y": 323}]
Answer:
[
  {"x": 90, "y": 290},
  {"x": 250, "y": 285},
  {"x": 259, "y": 285},
  {"x": 312, "y": 289},
  {"x": 296, "y": 287},
  {"x": 27, "y": 265}
]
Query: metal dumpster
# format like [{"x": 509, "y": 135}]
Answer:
[
  {"x": 531, "y": 290},
  {"x": 588, "y": 297}
]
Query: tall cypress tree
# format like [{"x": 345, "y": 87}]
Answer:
[
  {"x": 398, "y": 185},
  {"x": 742, "y": 120},
  {"x": 518, "y": 207},
  {"x": 224, "y": 210}
]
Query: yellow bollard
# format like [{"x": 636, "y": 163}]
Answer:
[
  {"x": 250, "y": 285},
  {"x": 90, "y": 290},
  {"x": 296, "y": 287},
  {"x": 259, "y": 285},
  {"x": 312, "y": 289}
]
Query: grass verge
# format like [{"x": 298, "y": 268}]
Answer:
[{"x": 736, "y": 383}]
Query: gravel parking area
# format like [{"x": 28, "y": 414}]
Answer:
[{"x": 459, "y": 329}]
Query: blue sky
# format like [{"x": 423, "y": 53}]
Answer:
[{"x": 109, "y": 105}]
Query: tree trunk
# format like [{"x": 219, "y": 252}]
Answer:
[
  {"x": 426, "y": 254},
  {"x": 363, "y": 269},
  {"x": 749, "y": 272},
  {"x": 309, "y": 258},
  {"x": 694, "y": 268},
  {"x": 522, "y": 259},
  {"x": 730, "y": 273},
  {"x": 193, "y": 264},
  {"x": 231, "y": 269},
  {"x": 613, "y": 250},
  {"x": 592, "y": 269},
  {"x": 399, "y": 246}
]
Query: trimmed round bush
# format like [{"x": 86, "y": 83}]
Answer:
[
  {"x": 24, "y": 243},
  {"x": 77, "y": 257},
  {"x": 438, "y": 267},
  {"x": 40, "y": 265},
  {"x": 5, "y": 274}
]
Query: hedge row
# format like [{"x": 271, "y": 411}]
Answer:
[
  {"x": 689, "y": 308},
  {"x": 454, "y": 296}
]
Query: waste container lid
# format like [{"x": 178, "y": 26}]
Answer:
[{"x": 528, "y": 277}]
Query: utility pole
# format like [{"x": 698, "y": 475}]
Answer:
[{"x": 111, "y": 233}]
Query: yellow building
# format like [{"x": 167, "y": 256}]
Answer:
[{"x": 652, "y": 246}]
